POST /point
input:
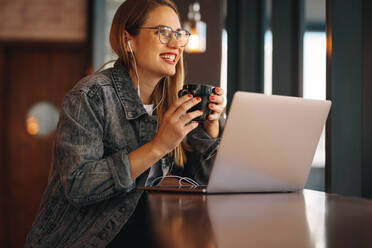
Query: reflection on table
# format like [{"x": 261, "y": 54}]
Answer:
[
  {"x": 300, "y": 219},
  {"x": 180, "y": 220}
]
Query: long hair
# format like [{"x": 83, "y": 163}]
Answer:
[{"x": 129, "y": 17}]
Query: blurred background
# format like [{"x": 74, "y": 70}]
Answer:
[{"x": 316, "y": 49}]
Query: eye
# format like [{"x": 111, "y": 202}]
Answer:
[
  {"x": 165, "y": 31},
  {"x": 182, "y": 32}
]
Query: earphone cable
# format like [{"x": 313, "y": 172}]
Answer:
[
  {"x": 162, "y": 97},
  {"x": 135, "y": 66},
  {"x": 187, "y": 179}
]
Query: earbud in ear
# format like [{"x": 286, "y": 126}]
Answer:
[{"x": 130, "y": 46}]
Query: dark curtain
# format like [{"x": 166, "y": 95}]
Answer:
[{"x": 245, "y": 24}]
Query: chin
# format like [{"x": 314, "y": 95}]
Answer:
[{"x": 169, "y": 73}]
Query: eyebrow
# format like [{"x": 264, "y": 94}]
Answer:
[{"x": 161, "y": 25}]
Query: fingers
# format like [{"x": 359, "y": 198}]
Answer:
[
  {"x": 178, "y": 103},
  {"x": 216, "y": 108},
  {"x": 177, "y": 113},
  {"x": 217, "y": 103},
  {"x": 185, "y": 123},
  {"x": 181, "y": 110},
  {"x": 217, "y": 99},
  {"x": 191, "y": 126},
  {"x": 190, "y": 116},
  {"x": 214, "y": 116},
  {"x": 218, "y": 91}
]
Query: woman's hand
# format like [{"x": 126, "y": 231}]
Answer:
[
  {"x": 174, "y": 126},
  {"x": 211, "y": 125}
]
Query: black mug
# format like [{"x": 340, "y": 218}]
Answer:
[{"x": 202, "y": 91}]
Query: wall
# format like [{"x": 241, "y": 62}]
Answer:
[
  {"x": 205, "y": 67},
  {"x": 44, "y": 51},
  {"x": 43, "y": 20},
  {"x": 34, "y": 73}
]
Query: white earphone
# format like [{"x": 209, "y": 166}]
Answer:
[
  {"x": 130, "y": 47},
  {"x": 135, "y": 64},
  {"x": 138, "y": 79}
]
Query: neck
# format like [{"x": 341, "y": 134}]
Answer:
[{"x": 147, "y": 84}]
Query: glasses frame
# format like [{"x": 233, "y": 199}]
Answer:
[{"x": 174, "y": 33}]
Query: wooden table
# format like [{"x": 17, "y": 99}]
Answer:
[{"x": 302, "y": 219}]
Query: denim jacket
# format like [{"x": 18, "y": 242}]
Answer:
[{"x": 90, "y": 194}]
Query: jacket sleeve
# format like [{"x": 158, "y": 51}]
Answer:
[
  {"x": 200, "y": 160},
  {"x": 86, "y": 174}
]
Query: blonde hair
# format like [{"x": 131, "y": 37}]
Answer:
[{"x": 129, "y": 17}]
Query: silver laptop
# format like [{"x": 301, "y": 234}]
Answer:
[{"x": 268, "y": 145}]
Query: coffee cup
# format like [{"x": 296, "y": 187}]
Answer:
[{"x": 199, "y": 90}]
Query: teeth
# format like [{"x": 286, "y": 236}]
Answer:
[{"x": 168, "y": 57}]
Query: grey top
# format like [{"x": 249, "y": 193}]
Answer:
[{"x": 90, "y": 194}]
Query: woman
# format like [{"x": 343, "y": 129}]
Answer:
[{"x": 121, "y": 128}]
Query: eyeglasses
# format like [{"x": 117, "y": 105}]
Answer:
[{"x": 165, "y": 35}]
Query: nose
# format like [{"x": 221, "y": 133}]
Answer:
[{"x": 174, "y": 42}]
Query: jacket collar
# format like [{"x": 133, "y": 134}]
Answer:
[{"x": 128, "y": 95}]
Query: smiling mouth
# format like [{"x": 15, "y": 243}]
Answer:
[{"x": 170, "y": 58}]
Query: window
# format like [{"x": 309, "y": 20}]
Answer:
[
  {"x": 224, "y": 63},
  {"x": 314, "y": 72}
]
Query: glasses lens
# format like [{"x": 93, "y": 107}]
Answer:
[
  {"x": 182, "y": 37},
  {"x": 165, "y": 35}
]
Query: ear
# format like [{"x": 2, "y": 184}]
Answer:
[{"x": 128, "y": 40}]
